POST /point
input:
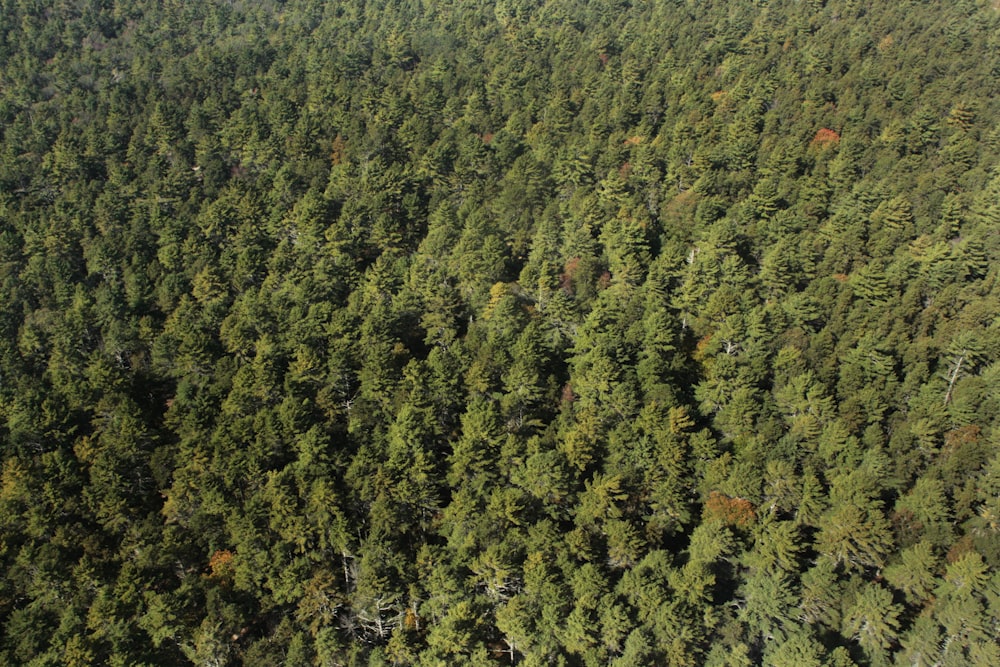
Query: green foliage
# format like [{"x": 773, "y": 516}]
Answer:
[{"x": 552, "y": 333}]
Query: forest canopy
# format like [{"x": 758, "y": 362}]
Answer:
[{"x": 538, "y": 333}]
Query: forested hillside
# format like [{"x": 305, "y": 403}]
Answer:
[{"x": 539, "y": 333}]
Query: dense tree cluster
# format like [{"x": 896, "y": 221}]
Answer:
[{"x": 540, "y": 333}]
